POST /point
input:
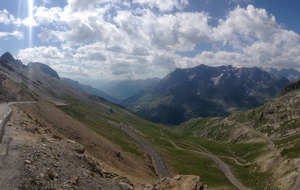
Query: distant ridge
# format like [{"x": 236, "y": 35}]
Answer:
[
  {"x": 291, "y": 74},
  {"x": 89, "y": 89},
  {"x": 125, "y": 89}
]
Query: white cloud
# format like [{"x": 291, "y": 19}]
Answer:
[
  {"x": 5, "y": 17},
  {"x": 224, "y": 58},
  {"x": 17, "y": 34},
  {"x": 243, "y": 26},
  {"x": 48, "y": 55},
  {"x": 8, "y": 19},
  {"x": 102, "y": 38},
  {"x": 46, "y": 35},
  {"x": 29, "y": 21},
  {"x": 163, "y": 5},
  {"x": 193, "y": 28},
  {"x": 256, "y": 35},
  {"x": 240, "y": 1},
  {"x": 45, "y": 16},
  {"x": 71, "y": 71}
]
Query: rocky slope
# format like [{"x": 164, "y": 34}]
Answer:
[
  {"x": 109, "y": 155},
  {"x": 37, "y": 154},
  {"x": 39, "y": 157}
]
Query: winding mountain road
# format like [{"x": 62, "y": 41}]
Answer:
[
  {"x": 160, "y": 167},
  {"x": 4, "y": 115},
  {"x": 225, "y": 169}
]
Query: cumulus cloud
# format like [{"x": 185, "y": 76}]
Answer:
[
  {"x": 166, "y": 5},
  {"x": 255, "y": 34},
  {"x": 142, "y": 38},
  {"x": 240, "y": 1},
  {"x": 47, "y": 55},
  {"x": 5, "y": 17},
  {"x": 70, "y": 71},
  {"x": 244, "y": 26},
  {"x": 17, "y": 34},
  {"x": 46, "y": 16}
]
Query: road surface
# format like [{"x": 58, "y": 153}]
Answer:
[
  {"x": 225, "y": 169},
  {"x": 4, "y": 115},
  {"x": 160, "y": 167}
]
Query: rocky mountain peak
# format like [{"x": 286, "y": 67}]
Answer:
[{"x": 9, "y": 58}]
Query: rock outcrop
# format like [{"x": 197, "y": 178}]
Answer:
[
  {"x": 291, "y": 87},
  {"x": 178, "y": 182}
]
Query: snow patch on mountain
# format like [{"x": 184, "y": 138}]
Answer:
[
  {"x": 191, "y": 77},
  {"x": 216, "y": 80}
]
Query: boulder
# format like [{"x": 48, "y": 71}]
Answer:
[{"x": 179, "y": 182}]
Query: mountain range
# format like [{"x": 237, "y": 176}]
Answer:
[{"x": 205, "y": 91}]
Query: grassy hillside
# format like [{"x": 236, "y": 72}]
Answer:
[
  {"x": 178, "y": 161},
  {"x": 174, "y": 144},
  {"x": 264, "y": 141}
]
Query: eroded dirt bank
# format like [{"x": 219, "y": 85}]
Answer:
[{"x": 39, "y": 150}]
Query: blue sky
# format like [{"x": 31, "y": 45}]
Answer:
[{"x": 132, "y": 39}]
